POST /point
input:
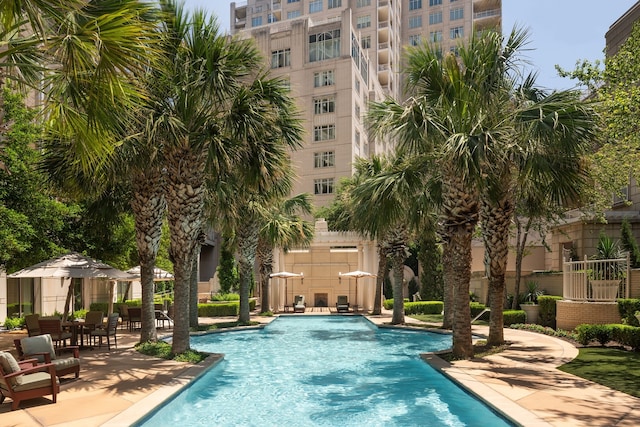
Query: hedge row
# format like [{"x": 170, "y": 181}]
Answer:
[
  {"x": 547, "y": 315},
  {"x": 227, "y": 309},
  {"x": 423, "y": 307},
  {"x": 624, "y": 334},
  {"x": 511, "y": 317},
  {"x": 627, "y": 309}
]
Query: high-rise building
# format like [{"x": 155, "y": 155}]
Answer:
[{"x": 340, "y": 54}]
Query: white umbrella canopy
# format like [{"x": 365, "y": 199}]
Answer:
[
  {"x": 286, "y": 275},
  {"x": 159, "y": 275},
  {"x": 357, "y": 274},
  {"x": 72, "y": 265}
]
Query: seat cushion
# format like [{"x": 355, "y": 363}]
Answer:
[
  {"x": 9, "y": 366},
  {"x": 38, "y": 344},
  {"x": 33, "y": 381},
  {"x": 65, "y": 362}
]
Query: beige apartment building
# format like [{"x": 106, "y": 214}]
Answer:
[{"x": 339, "y": 55}]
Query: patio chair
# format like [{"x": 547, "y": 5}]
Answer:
[
  {"x": 26, "y": 380},
  {"x": 342, "y": 304},
  {"x": 108, "y": 330},
  {"x": 53, "y": 327},
  {"x": 92, "y": 320},
  {"x": 31, "y": 322},
  {"x": 160, "y": 315},
  {"x": 298, "y": 304},
  {"x": 41, "y": 348},
  {"x": 135, "y": 317}
]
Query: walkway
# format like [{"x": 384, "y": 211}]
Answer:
[{"x": 117, "y": 387}]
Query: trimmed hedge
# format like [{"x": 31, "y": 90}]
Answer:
[
  {"x": 624, "y": 334},
  {"x": 227, "y": 309},
  {"x": 476, "y": 308},
  {"x": 547, "y": 316},
  {"x": 627, "y": 308},
  {"x": 423, "y": 307},
  {"x": 511, "y": 317},
  {"x": 388, "y": 303}
]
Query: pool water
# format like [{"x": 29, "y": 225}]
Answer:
[{"x": 323, "y": 371}]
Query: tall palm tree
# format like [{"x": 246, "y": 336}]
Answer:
[
  {"x": 203, "y": 70},
  {"x": 448, "y": 117},
  {"x": 284, "y": 227},
  {"x": 551, "y": 133}
]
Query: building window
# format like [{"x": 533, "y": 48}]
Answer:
[
  {"x": 454, "y": 50},
  {"x": 324, "y": 133},
  {"x": 324, "y": 105},
  {"x": 414, "y": 39},
  {"x": 435, "y": 18},
  {"x": 323, "y": 78},
  {"x": 323, "y": 186},
  {"x": 363, "y": 21},
  {"x": 357, "y": 138},
  {"x": 293, "y": 14},
  {"x": 435, "y": 2},
  {"x": 271, "y": 18},
  {"x": 456, "y": 32},
  {"x": 256, "y": 21},
  {"x": 363, "y": 3},
  {"x": 435, "y": 36},
  {"x": 415, "y": 4},
  {"x": 357, "y": 86},
  {"x": 416, "y": 21},
  {"x": 357, "y": 111},
  {"x": 334, "y": 4},
  {"x": 324, "y": 159},
  {"x": 293, "y": 1},
  {"x": 457, "y": 13},
  {"x": 281, "y": 58},
  {"x": 324, "y": 45},
  {"x": 365, "y": 42},
  {"x": 315, "y": 6}
]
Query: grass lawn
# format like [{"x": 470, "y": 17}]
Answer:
[
  {"x": 429, "y": 318},
  {"x": 616, "y": 369}
]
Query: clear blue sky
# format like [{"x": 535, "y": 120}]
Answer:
[{"x": 561, "y": 31}]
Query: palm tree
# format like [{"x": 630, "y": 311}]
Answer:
[
  {"x": 284, "y": 227},
  {"x": 264, "y": 123},
  {"x": 448, "y": 119},
  {"x": 203, "y": 71}
]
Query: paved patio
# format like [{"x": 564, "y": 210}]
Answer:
[{"x": 117, "y": 387}]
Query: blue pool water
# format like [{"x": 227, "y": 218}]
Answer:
[{"x": 323, "y": 371}]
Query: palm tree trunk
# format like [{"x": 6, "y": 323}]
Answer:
[
  {"x": 193, "y": 289},
  {"x": 496, "y": 220},
  {"x": 448, "y": 288},
  {"x": 149, "y": 206},
  {"x": 383, "y": 270},
  {"x": 522, "y": 235},
  {"x": 397, "y": 262},
  {"x": 185, "y": 201},
  {"x": 265, "y": 266},
  {"x": 247, "y": 246}
]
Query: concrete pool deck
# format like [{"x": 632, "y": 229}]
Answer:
[{"x": 117, "y": 387}]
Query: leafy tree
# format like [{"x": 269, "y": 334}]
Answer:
[
  {"x": 629, "y": 243},
  {"x": 227, "y": 270}
]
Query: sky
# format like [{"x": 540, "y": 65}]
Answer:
[{"x": 560, "y": 31}]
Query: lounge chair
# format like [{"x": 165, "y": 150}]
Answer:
[
  {"x": 41, "y": 349},
  {"x": 298, "y": 304},
  {"x": 342, "y": 304},
  {"x": 26, "y": 380}
]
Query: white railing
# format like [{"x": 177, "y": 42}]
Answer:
[{"x": 596, "y": 280}]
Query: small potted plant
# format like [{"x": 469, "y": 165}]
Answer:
[
  {"x": 530, "y": 303},
  {"x": 605, "y": 278}
]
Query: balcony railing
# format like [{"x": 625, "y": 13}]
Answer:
[
  {"x": 486, "y": 13},
  {"x": 596, "y": 280}
]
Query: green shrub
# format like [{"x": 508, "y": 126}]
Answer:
[
  {"x": 79, "y": 314},
  {"x": 388, "y": 303},
  {"x": 476, "y": 308},
  {"x": 586, "y": 333},
  {"x": 627, "y": 335},
  {"x": 513, "y": 316},
  {"x": 225, "y": 309},
  {"x": 102, "y": 306},
  {"x": 225, "y": 297},
  {"x": 627, "y": 308},
  {"x": 547, "y": 316},
  {"x": 13, "y": 322},
  {"x": 423, "y": 307}
]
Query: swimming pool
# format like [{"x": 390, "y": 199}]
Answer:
[{"x": 323, "y": 371}]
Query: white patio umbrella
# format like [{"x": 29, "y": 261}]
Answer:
[
  {"x": 286, "y": 275},
  {"x": 72, "y": 265},
  {"x": 159, "y": 275},
  {"x": 357, "y": 274}
]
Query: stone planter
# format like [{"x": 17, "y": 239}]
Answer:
[
  {"x": 532, "y": 311},
  {"x": 604, "y": 290}
]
